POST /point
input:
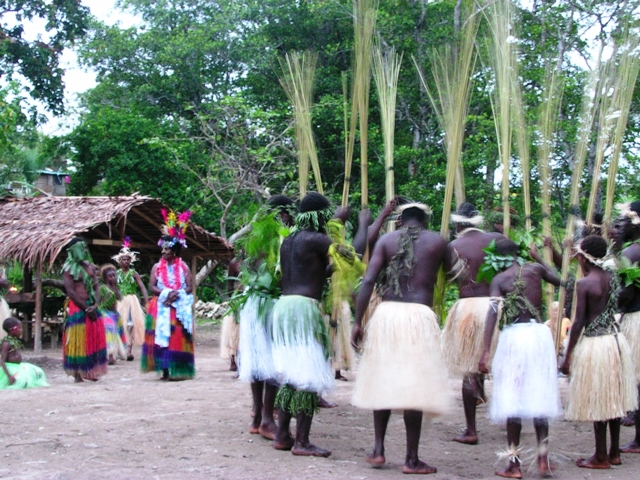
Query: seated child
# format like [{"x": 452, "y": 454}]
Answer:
[{"x": 14, "y": 373}]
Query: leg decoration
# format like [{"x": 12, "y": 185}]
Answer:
[{"x": 297, "y": 401}]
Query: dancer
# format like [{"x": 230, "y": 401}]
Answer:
[
  {"x": 463, "y": 336},
  {"x": 14, "y": 373},
  {"x": 84, "y": 344},
  {"x": 168, "y": 344},
  {"x": 300, "y": 341},
  {"x": 602, "y": 387},
  {"x": 262, "y": 267},
  {"x": 129, "y": 307},
  {"x": 524, "y": 367},
  {"x": 401, "y": 366},
  {"x": 107, "y": 309}
]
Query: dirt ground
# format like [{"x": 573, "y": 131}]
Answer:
[{"x": 132, "y": 426}]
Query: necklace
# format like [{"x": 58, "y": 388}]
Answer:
[{"x": 175, "y": 282}]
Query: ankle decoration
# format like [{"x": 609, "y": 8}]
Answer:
[{"x": 510, "y": 455}]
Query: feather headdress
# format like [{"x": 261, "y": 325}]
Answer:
[
  {"x": 627, "y": 212},
  {"x": 126, "y": 251},
  {"x": 175, "y": 226}
]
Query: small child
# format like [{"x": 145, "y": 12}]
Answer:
[{"x": 15, "y": 374}]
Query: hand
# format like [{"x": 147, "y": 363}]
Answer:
[
  {"x": 566, "y": 366},
  {"x": 12, "y": 379},
  {"x": 390, "y": 207},
  {"x": 356, "y": 337},
  {"x": 568, "y": 243},
  {"x": 172, "y": 297},
  {"x": 92, "y": 312},
  {"x": 342, "y": 213},
  {"x": 547, "y": 242},
  {"x": 483, "y": 363}
]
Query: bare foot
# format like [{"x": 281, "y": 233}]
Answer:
[
  {"x": 593, "y": 462},
  {"x": 418, "y": 468},
  {"x": 628, "y": 420},
  {"x": 339, "y": 376},
  {"x": 253, "y": 430},
  {"x": 631, "y": 447},
  {"x": 322, "y": 403},
  {"x": 309, "y": 450},
  {"x": 615, "y": 460},
  {"x": 130, "y": 358},
  {"x": 112, "y": 361},
  {"x": 285, "y": 443},
  {"x": 512, "y": 471},
  {"x": 268, "y": 430},
  {"x": 466, "y": 438},
  {"x": 235, "y": 376},
  {"x": 375, "y": 460},
  {"x": 77, "y": 378},
  {"x": 545, "y": 468},
  {"x": 233, "y": 366}
]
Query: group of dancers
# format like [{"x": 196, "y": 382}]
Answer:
[{"x": 285, "y": 348}]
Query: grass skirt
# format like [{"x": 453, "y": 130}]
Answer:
[
  {"x": 525, "y": 374},
  {"x": 84, "y": 344},
  {"x": 178, "y": 357},
  {"x": 131, "y": 312},
  {"x": 300, "y": 345},
  {"x": 342, "y": 357},
  {"x": 114, "y": 331},
  {"x": 229, "y": 337},
  {"x": 463, "y": 335},
  {"x": 602, "y": 385},
  {"x": 255, "y": 362},
  {"x": 26, "y": 375},
  {"x": 630, "y": 327},
  {"x": 401, "y": 365},
  {"x": 5, "y": 312}
]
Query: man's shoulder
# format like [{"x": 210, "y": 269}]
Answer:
[{"x": 632, "y": 252}]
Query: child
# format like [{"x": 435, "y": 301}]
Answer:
[
  {"x": 14, "y": 373},
  {"x": 113, "y": 325}
]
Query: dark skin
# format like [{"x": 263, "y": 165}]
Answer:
[
  {"x": 502, "y": 284},
  {"x": 468, "y": 247},
  {"x": 9, "y": 355},
  {"x": 77, "y": 292},
  {"x": 592, "y": 294},
  {"x": 125, "y": 264},
  {"x": 429, "y": 254},
  {"x": 170, "y": 256},
  {"x": 305, "y": 267},
  {"x": 624, "y": 231},
  {"x": 371, "y": 229}
]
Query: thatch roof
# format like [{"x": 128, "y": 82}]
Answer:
[{"x": 36, "y": 230}]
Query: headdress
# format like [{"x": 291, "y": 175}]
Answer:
[
  {"x": 313, "y": 207},
  {"x": 176, "y": 227},
  {"x": 627, "y": 212},
  {"x": 421, "y": 206},
  {"x": 466, "y": 213},
  {"x": 77, "y": 254},
  {"x": 606, "y": 262},
  {"x": 126, "y": 251}
]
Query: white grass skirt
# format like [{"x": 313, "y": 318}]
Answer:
[
  {"x": 255, "y": 362},
  {"x": 463, "y": 335},
  {"x": 630, "y": 327},
  {"x": 525, "y": 374},
  {"x": 602, "y": 385},
  {"x": 401, "y": 366},
  {"x": 300, "y": 345},
  {"x": 342, "y": 357},
  {"x": 229, "y": 336}
]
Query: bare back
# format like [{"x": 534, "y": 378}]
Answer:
[
  {"x": 304, "y": 261},
  {"x": 468, "y": 249}
]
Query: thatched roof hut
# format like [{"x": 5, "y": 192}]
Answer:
[{"x": 36, "y": 230}]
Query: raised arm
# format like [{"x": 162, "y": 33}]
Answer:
[{"x": 360, "y": 239}]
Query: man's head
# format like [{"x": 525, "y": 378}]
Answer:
[
  {"x": 77, "y": 250},
  {"x": 594, "y": 246},
  {"x": 314, "y": 212},
  {"x": 171, "y": 246},
  {"x": 466, "y": 216},
  {"x": 626, "y": 227},
  {"x": 108, "y": 273},
  {"x": 284, "y": 206},
  {"x": 12, "y": 326},
  {"x": 506, "y": 248},
  {"x": 417, "y": 212}
]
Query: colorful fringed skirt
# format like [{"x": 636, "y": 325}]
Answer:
[
  {"x": 178, "y": 357},
  {"x": 114, "y": 330},
  {"x": 27, "y": 375},
  {"x": 84, "y": 344}
]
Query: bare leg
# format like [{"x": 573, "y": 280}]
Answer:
[
  {"x": 268, "y": 428},
  {"x": 283, "y": 440},
  {"x": 130, "y": 346},
  {"x": 256, "y": 392},
  {"x": 77, "y": 378},
  {"x": 380, "y": 422},
  {"x": 469, "y": 400},
  {"x": 600, "y": 459},
  {"x": 233, "y": 366},
  {"x": 542, "y": 435},
  {"x": 634, "y": 445},
  {"x": 614, "y": 451},
  {"x": 514, "y": 427},
  {"x": 303, "y": 446},
  {"x": 413, "y": 425},
  {"x": 339, "y": 376}
]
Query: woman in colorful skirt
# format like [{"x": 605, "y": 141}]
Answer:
[
  {"x": 168, "y": 344},
  {"x": 14, "y": 373},
  {"x": 113, "y": 325},
  {"x": 84, "y": 345}
]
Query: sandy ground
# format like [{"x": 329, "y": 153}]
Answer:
[{"x": 132, "y": 426}]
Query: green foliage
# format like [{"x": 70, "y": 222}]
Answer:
[
  {"x": 628, "y": 272},
  {"x": 495, "y": 263}
]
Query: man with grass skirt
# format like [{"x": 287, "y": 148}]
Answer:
[
  {"x": 300, "y": 341},
  {"x": 525, "y": 369},
  {"x": 401, "y": 366},
  {"x": 84, "y": 343},
  {"x": 260, "y": 274},
  {"x": 625, "y": 234},
  {"x": 463, "y": 336},
  {"x": 603, "y": 384}
]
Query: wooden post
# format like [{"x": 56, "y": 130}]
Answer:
[
  {"x": 194, "y": 271},
  {"x": 37, "y": 341},
  {"x": 27, "y": 287}
]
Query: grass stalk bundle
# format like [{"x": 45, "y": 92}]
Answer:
[
  {"x": 386, "y": 70},
  {"x": 349, "y": 136},
  {"x": 297, "y": 80},
  {"x": 452, "y": 71}
]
